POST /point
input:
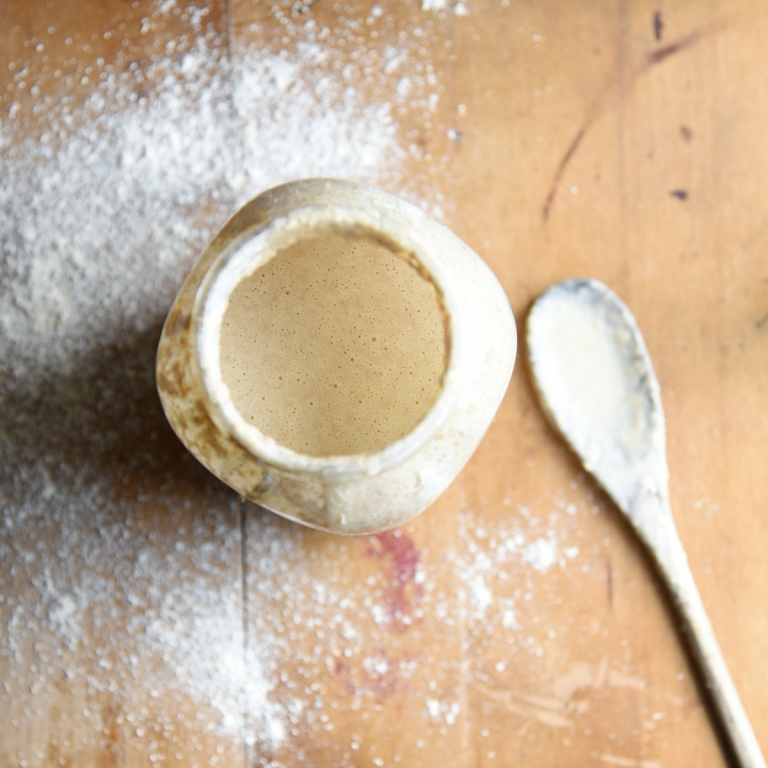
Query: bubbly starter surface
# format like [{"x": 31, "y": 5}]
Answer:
[{"x": 335, "y": 347}]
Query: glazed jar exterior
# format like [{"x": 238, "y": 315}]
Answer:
[{"x": 343, "y": 494}]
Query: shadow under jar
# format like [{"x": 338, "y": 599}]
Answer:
[{"x": 336, "y": 356}]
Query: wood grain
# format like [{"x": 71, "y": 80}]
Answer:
[{"x": 517, "y": 621}]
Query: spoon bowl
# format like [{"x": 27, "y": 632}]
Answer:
[{"x": 594, "y": 378}]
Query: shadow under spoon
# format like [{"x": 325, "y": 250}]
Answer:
[{"x": 594, "y": 379}]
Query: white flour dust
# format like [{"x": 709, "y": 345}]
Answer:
[
  {"x": 526, "y": 543},
  {"x": 110, "y": 580},
  {"x": 92, "y": 209}
]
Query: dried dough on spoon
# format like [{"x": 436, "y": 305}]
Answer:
[{"x": 596, "y": 384}]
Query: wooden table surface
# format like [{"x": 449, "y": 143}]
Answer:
[{"x": 148, "y": 616}]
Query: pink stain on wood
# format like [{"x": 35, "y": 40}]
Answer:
[{"x": 402, "y": 590}]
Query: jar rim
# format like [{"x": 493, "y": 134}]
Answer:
[{"x": 252, "y": 250}]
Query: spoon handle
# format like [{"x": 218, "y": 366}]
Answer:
[{"x": 652, "y": 518}]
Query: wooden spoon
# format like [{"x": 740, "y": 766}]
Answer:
[{"x": 596, "y": 384}]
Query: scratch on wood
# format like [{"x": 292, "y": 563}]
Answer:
[
  {"x": 627, "y": 762},
  {"x": 618, "y": 680},
  {"x": 661, "y": 54},
  {"x": 658, "y": 26},
  {"x": 680, "y": 194},
  {"x": 516, "y": 704},
  {"x": 602, "y": 673},
  {"x": 578, "y": 677},
  {"x": 559, "y": 172},
  {"x": 244, "y": 618},
  {"x": 601, "y": 103},
  {"x": 228, "y": 27}
]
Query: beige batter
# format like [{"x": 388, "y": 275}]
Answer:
[{"x": 335, "y": 347}]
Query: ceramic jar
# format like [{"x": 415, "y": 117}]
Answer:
[{"x": 351, "y": 494}]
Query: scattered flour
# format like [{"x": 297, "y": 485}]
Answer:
[
  {"x": 486, "y": 556},
  {"x": 91, "y": 209},
  {"x": 112, "y": 579}
]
